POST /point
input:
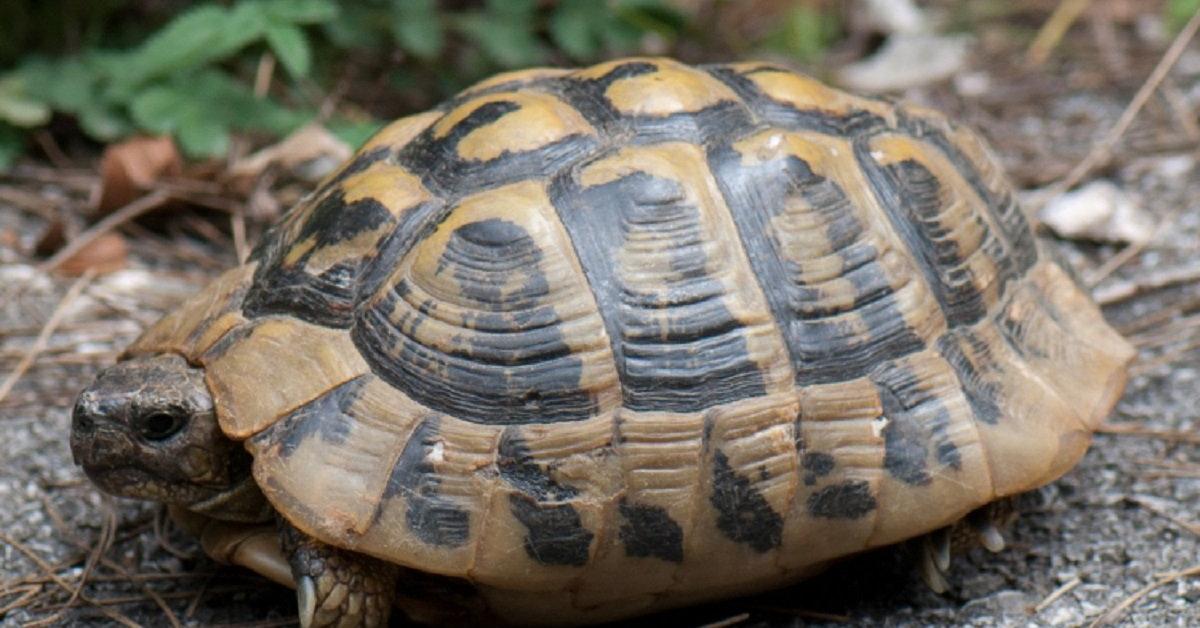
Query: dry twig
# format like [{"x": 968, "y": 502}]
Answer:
[
  {"x": 1057, "y": 593},
  {"x": 47, "y": 330},
  {"x": 1101, "y": 152},
  {"x": 1125, "y": 290},
  {"x": 1130, "y": 429},
  {"x": 125, "y": 214},
  {"x": 1053, "y": 29},
  {"x": 1189, "y": 526},
  {"x": 1113, "y": 614}
]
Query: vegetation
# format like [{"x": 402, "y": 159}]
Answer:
[{"x": 203, "y": 72}]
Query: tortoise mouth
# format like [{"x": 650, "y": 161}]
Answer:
[{"x": 138, "y": 483}]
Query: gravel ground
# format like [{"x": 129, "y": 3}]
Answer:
[{"x": 1128, "y": 516}]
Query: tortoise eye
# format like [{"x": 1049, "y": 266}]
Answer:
[{"x": 159, "y": 425}]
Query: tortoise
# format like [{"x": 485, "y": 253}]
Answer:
[{"x": 580, "y": 345}]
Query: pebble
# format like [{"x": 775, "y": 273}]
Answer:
[{"x": 1099, "y": 211}]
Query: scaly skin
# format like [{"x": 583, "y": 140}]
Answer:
[{"x": 336, "y": 588}]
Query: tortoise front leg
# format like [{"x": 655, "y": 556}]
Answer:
[{"x": 336, "y": 587}]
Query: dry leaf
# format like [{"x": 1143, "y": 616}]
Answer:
[
  {"x": 309, "y": 153},
  {"x": 105, "y": 254},
  {"x": 130, "y": 168}
]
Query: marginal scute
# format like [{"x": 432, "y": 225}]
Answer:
[
  {"x": 266, "y": 352},
  {"x": 200, "y": 321},
  {"x": 934, "y": 461},
  {"x": 840, "y": 420}
]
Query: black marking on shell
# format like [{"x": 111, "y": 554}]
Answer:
[
  {"x": 519, "y": 470},
  {"x": 851, "y": 499},
  {"x": 650, "y": 532},
  {"x": 698, "y": 127},
  {"x": 743, "y": 514},
  {"x": 555, "y": 533},
  {"x": 824, "y": 346},
  {"x": 816, "y": 464},
  {"x": 447, "y": 174},
  {"x": 414, "y": 224},
  {"x": 232, "y": 304},
  {"x": 226, "y": 342},
  {"x": 911, "y": 197},
  {"x": 787, "y": 116},
  {"x": 429, "y": 515},
  {"x": 511, "y": 365},
  {"x": 975, "y": 376},
  {"x": 327, "y": 298},
  {"x": 917, "y": 419},
  {"x": 1021, "y": 248},
  {"x": 587, "y": 95},
  {"x": 678, "y": 347},
  {"x": 326, "y": 417}
]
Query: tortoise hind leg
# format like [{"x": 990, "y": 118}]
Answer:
[
  {"x": 335, "y": 587},
  {"x": 981, "y": 527}
]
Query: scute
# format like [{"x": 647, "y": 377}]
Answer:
[{"x": 643, "y": 318}]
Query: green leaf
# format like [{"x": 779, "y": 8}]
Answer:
[
  {"x": 512, "y": 9},
  {"x": 509, "y": 44},
  {"x": 12, "y": 144},
  {"x": 201, "y": 108},
  {"x": 805, "y": 33},
  {"x": 103, "y": 123},
  {"x": 355, "y": 133},
  {"x": 417, "y": 27},
  {"x": 196, "y": 38},
  {"x": 300, "y": 11},
  {"x": 574, "y": 26},
  {"x": 291, "y": 47},
  {"x": 202, "y": 135},
  {"x": 1178, "y": 12},
  {"x": 17, "y": 107},
  {"x": 651, "y": 16},
  {"x": 359, "y": 26}
]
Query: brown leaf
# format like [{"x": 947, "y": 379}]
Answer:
[
  {"x": 309, "y": 154},
  {"x": 105, "y": 254},
  {"x": 130, "y": 168}
]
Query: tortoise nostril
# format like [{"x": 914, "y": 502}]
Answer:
[{"x": 83, "y": 422}]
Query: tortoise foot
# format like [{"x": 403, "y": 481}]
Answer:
[{"x": 336, "y": 588}]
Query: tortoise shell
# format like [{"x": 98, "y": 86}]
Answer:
[{"x": 577, "y": 337}]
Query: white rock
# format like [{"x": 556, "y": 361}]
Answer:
[
  {"x": 908, "y": 60},
  {"x": 1098, "y": 211},
  {"x": 896, "y": 16},
  {"x": 973, "y": 84}
]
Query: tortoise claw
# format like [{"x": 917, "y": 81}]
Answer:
[
  {"x": 991, "y": 538},
  {"x": 935, "y": 559},
  {"x": 934, "y": 577},
  {"x": 306, "y": 600}
]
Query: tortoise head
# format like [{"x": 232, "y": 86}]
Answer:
[{"x": 146, "y": 428}]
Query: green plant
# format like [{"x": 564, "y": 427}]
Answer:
[
  {"x": 1178, "y": 12},
  {"x": 805, "y": 32},
  {"x": 172, "y": 82},
  {"x": 190, "y": 77}
]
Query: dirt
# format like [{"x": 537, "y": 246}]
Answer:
[{"x": 1126, "y": 517}]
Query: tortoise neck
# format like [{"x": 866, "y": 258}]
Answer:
[{"x": 243, "y": 502}]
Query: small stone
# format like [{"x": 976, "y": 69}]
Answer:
[
  {"x": 1098, "y": 211},
  {"x": 908, "y": 60}
]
